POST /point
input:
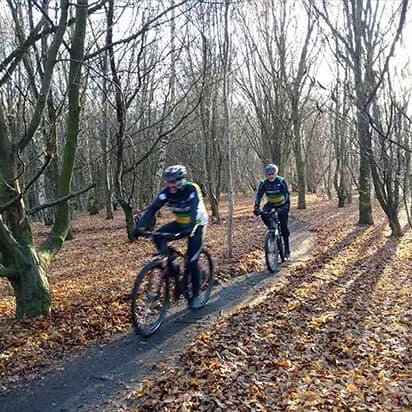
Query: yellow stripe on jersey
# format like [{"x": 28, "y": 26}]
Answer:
[
  {"x": 183, "y": 220},
  {"x": 276, "y": 199}
]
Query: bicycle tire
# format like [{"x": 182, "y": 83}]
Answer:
[
  {"x": 141, "y": 328},
  {"x": 207, "y": 279},
  {"x": 281, "y": 248},
  {"x": 271, "y": 252}
]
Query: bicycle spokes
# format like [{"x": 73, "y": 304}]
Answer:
[
  {"x": 206, "y": 277},
  {"x": 151, "y": 295},
  {"x": 153, "y": 285},
  {"x": 271, "y": 251},
  {"x": 149, "y": 300}
]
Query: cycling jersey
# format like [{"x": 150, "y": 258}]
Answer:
[
  {"x": 277, "y": 193},
  {"x": 187, "y": 205}
]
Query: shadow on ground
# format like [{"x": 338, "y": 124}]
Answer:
[{"x": 89, "y": 380}]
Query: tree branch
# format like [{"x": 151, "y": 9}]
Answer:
[
  {"x": 378, "y": 130},
  {"x": 8, "y": 271},
  {"x": 60, "y": 200},
  {"x": 8, "y": 243},
  {"x": 48, "y": 73},
  {"x": 392, "y": 50},
  {"x": 11, "y": 202},
  {"x": 134, "y": 36},
  {"x": 14, "y": 57}
]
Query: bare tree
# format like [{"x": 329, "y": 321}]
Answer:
[
  {"x": 226, "y": 127},
  {"x": 280, "y": 85},
  {"x": 20, "y": 262},
  {"x": 363, "y": 45}
]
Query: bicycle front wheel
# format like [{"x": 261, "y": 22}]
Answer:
[
  {"x": 271, "y": 252},
  {"x": 150, "y": 299}
]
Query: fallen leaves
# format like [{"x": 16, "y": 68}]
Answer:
[
  {"x": 333, "y": 335},
  {"x": 91, "y": 280},
  {"x": 351, "y": 388}
]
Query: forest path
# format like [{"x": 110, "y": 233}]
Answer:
[{"x": 102, "y": 373}]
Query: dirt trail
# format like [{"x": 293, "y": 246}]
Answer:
[{"x": 102, "y": 373}]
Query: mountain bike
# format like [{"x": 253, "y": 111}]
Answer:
[
  {"x": 274, "y": 248},
  {"x": 166, "y": 273}
]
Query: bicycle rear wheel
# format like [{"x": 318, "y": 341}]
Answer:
[
  {"x": 205, "y": 264},
  {"x": 150, "y": 299},
  {"x": 271, "y": 252}
]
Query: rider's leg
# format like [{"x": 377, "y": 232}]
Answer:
[
  {"x": 193, "y": 251},
  {"x": 159, "y": 241},
  {"x": 266, "y": 218},
  {"x": 283, "y": 219}
]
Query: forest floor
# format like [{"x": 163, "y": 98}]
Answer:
[{"x": 332, "y": 330}]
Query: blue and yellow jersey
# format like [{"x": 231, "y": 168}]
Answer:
[
  {"x": 187, "y": 205},
  {"x": 277, "y": 192}
]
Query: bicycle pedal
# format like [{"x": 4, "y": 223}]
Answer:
[{"x": 177, "y": 292}]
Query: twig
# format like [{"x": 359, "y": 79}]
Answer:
[
  {"x": 11, "y": 202},
  {"x": 58, "y": 201},
  {"x": 7, "y": 271}
]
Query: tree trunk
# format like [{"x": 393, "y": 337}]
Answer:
[
  {"x": 121, "y": 120},
  {"x": 51, "y": 174},
  {"x": 62, "y": 223},
  {"x": 18, "y": 260},
  {"x": 300, "y": 170},
  {"x": 169, "y": 108},
  {"x": 227, "y": 132},
  {"x": 31, "y": 288},
  {"x": 106, "y": 180},
  {"x": 365, "y": 206},
  {"x": 210, "y": 164},
  {"x": 92, "y": 198},
  {"x": 103, "y": 142},
  {"x": 395, "y": 225}
]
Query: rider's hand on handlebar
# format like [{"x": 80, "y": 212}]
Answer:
[
  {"x": 182, "y": 234},
  {"x": 172, "y": 237},
  {"x": 137, "y": 232},
  {"x": 256, "y": 211}
]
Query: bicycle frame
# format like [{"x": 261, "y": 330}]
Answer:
[
  {"x": 149, "y": 305},
  {"x": 275, "y": 231},
  {"x": 274, "y": 221},
  {"x": 164, "y": 258}
]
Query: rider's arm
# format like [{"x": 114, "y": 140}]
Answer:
[
  {"x": 259, "y": 195},
  {"x": 286, "y": 193},
  {"x": 151, "y": 210},
  {"x": 194, "y": 203}
]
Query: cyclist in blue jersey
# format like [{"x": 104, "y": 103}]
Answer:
[
  {"x": 186, "y": 202},
  {"x": 277, "y": 195}
]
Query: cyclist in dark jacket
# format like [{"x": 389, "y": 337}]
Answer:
[
  {"x": 186, "y": 202},
  {"x": 277, "y": 195}
]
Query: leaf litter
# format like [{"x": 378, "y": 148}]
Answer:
[{"x": 333, "y": 333}]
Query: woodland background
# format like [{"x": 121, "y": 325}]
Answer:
[{"x": 98, "y": 97}]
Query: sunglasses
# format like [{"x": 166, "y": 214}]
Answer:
[{"x": 271, "y": 174}]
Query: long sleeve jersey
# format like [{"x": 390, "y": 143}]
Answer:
[
  {"x": 277, "y": 192},
  {"x": 186, "y": 204}
]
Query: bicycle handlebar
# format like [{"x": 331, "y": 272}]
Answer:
[
  {"x": 265, "y": 212},
  {"x": 164, "y": 235}
]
